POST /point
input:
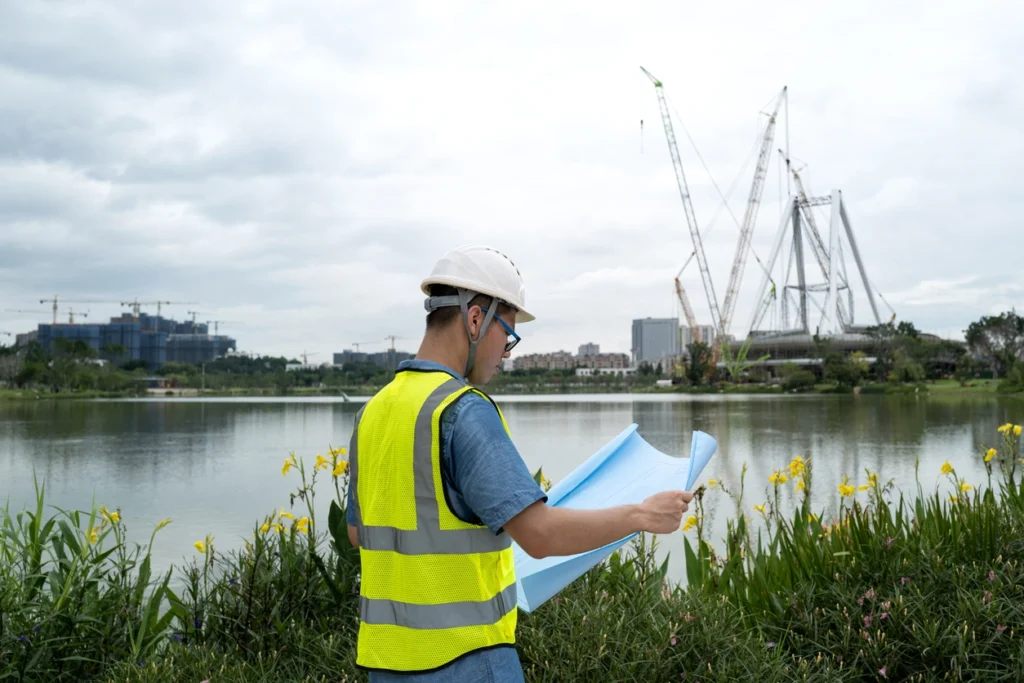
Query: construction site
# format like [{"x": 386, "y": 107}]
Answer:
[
  {"x": 133, "y": 336},
  {"x": 798, "y": 298}
]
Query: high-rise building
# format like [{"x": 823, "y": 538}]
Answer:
[
  {"x": 589, "y": 349},
  {"x": 147, "y": 338},
  {"x": 701, "y": 333},
  {"x": 655, "y": 339}
]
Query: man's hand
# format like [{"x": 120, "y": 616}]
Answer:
[{"x": 662, "y": 513}]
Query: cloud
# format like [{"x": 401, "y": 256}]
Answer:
[{"x": 301, "y": 168}]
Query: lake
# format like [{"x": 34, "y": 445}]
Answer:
[{"x": 214, "y": 465}]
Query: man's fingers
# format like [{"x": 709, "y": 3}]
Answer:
[{"x": 685, "y": 507}]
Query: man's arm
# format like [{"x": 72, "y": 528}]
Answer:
[
  {"x": 353, "y": 536},
  {"x": 543, "y": 531}
]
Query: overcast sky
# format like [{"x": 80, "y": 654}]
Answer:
[{"x": 297, "y": 168}]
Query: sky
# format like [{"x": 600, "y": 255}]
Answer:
[{"x": 295, "y": 170}]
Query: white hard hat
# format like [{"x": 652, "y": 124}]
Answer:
[{"x": 482, "y": 270}]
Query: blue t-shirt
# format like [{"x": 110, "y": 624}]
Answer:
[{"x": 487, "y": 482}]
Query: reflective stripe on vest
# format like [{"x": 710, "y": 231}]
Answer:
[{"x": 444, "y": 587}]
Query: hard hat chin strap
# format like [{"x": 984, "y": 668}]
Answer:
[
  {"x": 462, "y": 301},
  {"x": 465, "y": 296}
]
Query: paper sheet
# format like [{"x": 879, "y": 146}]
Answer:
[{"x": 626, "y": 470}]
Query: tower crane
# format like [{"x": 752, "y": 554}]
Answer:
[
  {"x": 216, "y": 325},
  {"x": 363, "y": 343},
  {"x": 691, "y": 219},
  {"x": 71, "y": 316},
  {"x": 136, "y": 304},
  {"x": 72, "y": 301},
  {"x": 749, "y": 218}
]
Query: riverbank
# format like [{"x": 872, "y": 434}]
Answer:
[
  {"x": 907, "y": 586},
  {"x": 987, "y": 388}
]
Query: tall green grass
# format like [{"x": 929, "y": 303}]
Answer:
[{"x": 889, "y": 587}]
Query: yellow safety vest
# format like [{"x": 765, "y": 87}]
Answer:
[{"x": 433, "y": 587}]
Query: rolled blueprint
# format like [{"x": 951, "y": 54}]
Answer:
[{"x": 626, "y": 470}]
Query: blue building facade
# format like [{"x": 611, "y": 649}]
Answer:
[{"x": 152, "y": 339}]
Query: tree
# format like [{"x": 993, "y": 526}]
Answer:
[
  {"x": 700, "y": 362},
  {"x": 997, "y": 341},
  {"x": 845, "y": 370}
]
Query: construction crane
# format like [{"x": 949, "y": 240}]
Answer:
[
  {"x": 749, "y": 218},
  {"x": 691, "y": 219},
  {"x": 71, "y": 316},
  {"x": 71, "y": 301},
  {"x": 392, "y": 338},
  {"x": 216, "y": 325},
  {"x": 305, "y": 356},
  {"x": 363, "y": 343},
  {"x": 136, "y": 304}
]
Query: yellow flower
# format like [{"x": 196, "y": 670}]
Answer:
[
  {"x": 278, "y": 528},
  {"x": 946, "y": 467},
  {"x": 873, "y": 479},
  {"x": 989, "y": 454},
  {"x": 284, "y": 514},
  {"x": 340, "y": 469},
  {"x": 691, "y": 522},
  {"x": 759, "y": 508},
  {"x": 845, "y": 489},
  {"x": 712, "y": 483},
  {"x": 778, "y": 478},
  {"x": 115, "y": 517},
  {"x": 94, "y": 536},
  {"x": 811, "y": 518},
  {"x": 288, "y": 464},
  {"x": 953, "y": 499},
  {"x": 796, "y": 466},
  {"x": 965, "y": 487},
  {"x": 303, "y": 525},
  {"x": 200, "y": 547},
  {"x": 322, "y": 462},
  {"x": 1005, "y": 428},
  {"x": 265, "y": 528},
  {"x": 335, "y": 452},
  {"x": 800, "y": 485},
  {"x": 1016, "y": 430}
]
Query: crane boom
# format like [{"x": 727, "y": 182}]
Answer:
[
  {"x": 684, "y": 301},
  {"x": 749, "y": 218},
  {"x": 684, "y": 194}
]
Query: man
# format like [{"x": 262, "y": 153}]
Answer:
[{"x": 439, "y": 492}]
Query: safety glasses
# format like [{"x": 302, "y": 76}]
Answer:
[{"x": 511, "y": 343}]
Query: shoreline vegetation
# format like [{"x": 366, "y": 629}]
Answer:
[
  {"x": 891, "y": 585},
  {"x": 942, "y": 387},
  {"x": 895, "y": 358}
]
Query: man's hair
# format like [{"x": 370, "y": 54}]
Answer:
[{"x": 440, "y": 317}]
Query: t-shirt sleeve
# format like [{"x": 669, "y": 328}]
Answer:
[{"x": 487, "y": 469}]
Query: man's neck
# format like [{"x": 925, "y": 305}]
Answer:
[{"x": 444, "y": 351}]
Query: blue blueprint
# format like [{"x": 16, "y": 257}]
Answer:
[{"x": 626, "y": 470}]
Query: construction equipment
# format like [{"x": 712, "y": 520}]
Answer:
[
  {"x": 216, "y": 324},
  {"x": 749, "y": 218},
  {"x": 71, "y": 316},
  {"x": 305, "y": 356},
  {"x": 72, "y": 301},
  {"x": 358, "y": 344},
  {"x": 691, "y": 219},
  {"x": 392, "y": 338},
  {"x": 136, "y": 304}
]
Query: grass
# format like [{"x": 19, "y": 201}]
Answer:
[{"x": 927, "y": 586}]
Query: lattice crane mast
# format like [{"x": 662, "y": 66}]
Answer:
[
  {"x": 749, "y": 218},
  {"x": 691, "y": 219}
]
